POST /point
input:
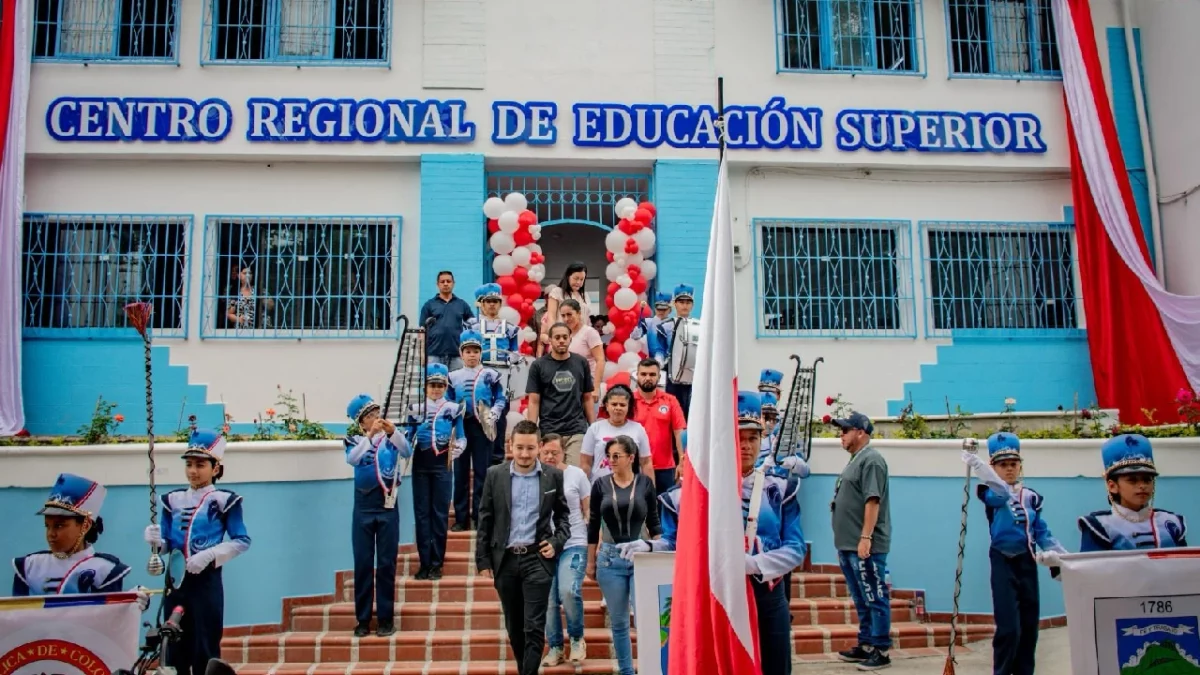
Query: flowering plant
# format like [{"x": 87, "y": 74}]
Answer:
[
  {"x": 1189, "y": 406},
  {"x": 139, "y": 316},
  {"x": 841, "y": 408}
]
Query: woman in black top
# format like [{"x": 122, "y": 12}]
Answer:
[{"x": 622, "y": 504}]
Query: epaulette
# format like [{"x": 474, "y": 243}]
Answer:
[{"x": 1092, "y": 523}]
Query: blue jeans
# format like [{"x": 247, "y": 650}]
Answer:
[
  {"x": 872, "y": 601},
  {"x": 566, "y": 591},
  {"x": 615, "y": 577}
]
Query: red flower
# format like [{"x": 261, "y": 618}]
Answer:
[
  {"x": 118, "y": 418},
  {"x": 1184, "y": 396},
  {"x": 1086, "y": 414},
  {"x": 829, "y": 400},
  {"x": 828, "y": 419},
  {"x": 139, "y": 315}
]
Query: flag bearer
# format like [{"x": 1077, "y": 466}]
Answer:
[
  {"x": 71, "y": 565},
  {"x": 1018, "y": 531},
  {"x": 1131, "y": 522},
  {"x": 661, "y": 340},
  {"x": 195, "y": 523},
  {"x": 375, "y": 454},
  {"x": 778, "y": 546},
  {"x": 439, "y": 440},
  {"x": 501, "y": 347},
  {"x": 476, "y": 389}
]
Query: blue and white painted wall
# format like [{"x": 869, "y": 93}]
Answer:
[{"x": 298, "y": 500}]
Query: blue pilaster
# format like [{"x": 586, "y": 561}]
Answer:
[
  {"x": 683, "y": 194},
  {"x": 453, "y": 231}
]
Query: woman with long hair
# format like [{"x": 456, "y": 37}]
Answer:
[
  {"x": 570, "y": 287},
  {"x": 618, "y": 408},
  {"x": 242, "y": 303},
  {"x": 585, "y": 341},
  {"x": 623, "y": 504}
]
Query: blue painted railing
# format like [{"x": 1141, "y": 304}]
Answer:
[
  {"x": 1010, "y": 39},
  {"x": 884, "y": 37},
  {"x": 131, "y": 31},
  {"x": 297, "y": 32},
  {"x": 306, "y": 277}
]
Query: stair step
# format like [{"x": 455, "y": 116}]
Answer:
[
  {"x": 589, "y": 667},
  {"x": 492, "y": 645}
]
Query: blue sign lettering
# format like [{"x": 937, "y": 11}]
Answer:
[
  {"x": 531, "y": 123},
  {"x": 775, "y": 126},
  {"x": 934, "y": 131},
  {"x": 368, "y": 120},
  {"x": 173, "y": 120}
]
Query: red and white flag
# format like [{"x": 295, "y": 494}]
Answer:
[{"x": 713, "y": 626}]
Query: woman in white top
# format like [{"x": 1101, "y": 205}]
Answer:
[
  {"x": 569, "y": 288},
  {"x": 566, "y": 590},
  {"x": 593, "y": 457},
  {"x": 585, "y": 341}
]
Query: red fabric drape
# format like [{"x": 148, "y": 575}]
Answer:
[
  {"x": 8, "y": 24},
  {"x": 1133, "y": 362}
]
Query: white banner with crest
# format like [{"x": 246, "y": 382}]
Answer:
[{"x": 68, "y": 634}]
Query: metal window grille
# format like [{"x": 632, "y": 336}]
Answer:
[
  {"x": 1000, "y": 279},
  {"x": 1002, "y": 38},
  {"x": 302, "y": 32},
  {"x": 300, "y": 277},
  {"x": 850, "y": 36},
  {"x": 825, "y": 278},
  {"x": 80, "y": 270},
  {"x": 106, "y": 30}
]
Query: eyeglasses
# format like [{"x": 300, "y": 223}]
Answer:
[{"x": 614, "y": 456}]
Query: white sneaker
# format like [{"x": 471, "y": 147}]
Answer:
[
  {"x": 578, "y": 651},
  {"x": 553, "y": 657},
  {"x": 603, "y": 603}
]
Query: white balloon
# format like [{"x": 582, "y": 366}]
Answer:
[
  {"x": 625, "y": 299},
  {"x": 502, "y": 243},
  {"x": 520, "y": 256},
  {"x": 536, "y": 248},
  {"x": 624, "y": 281},
  {"x": 509, "y": 222},
  {"x": 537, "y": 236},
  {"x": 628, "y": 212},
  {"x": 493, "y": 207},
  {"x": 632, "y": 345},
  {"x": 609, "y": 329},
  {"x": 516, "y": 202},
  {"x": 619, "y": 259},
  {"x": 537, "y": 273},
  {"x": 528, "y": 335},
  {"x": 503, "y": 265},
  {"x": 628, "y": 361},
  {"x": 510, "y": 315},
  {"x": 610, "y": 369},
  {"x": 512, "y": 418},
  {"x": 614, "y": 242},
  {"x": 649, "y": 269},
  {"x": 645, "y": 239},
  {"x": 625, "y": 203},
  {"x": 634, "y": 259},
  {"x": 613, "y": 271}
]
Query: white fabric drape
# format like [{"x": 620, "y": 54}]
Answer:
[
  {"x": 12, "y": 199},
  {"x": 1180, "y": 313}
]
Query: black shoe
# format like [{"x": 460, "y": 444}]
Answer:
[
  {"x": 423, "y": 573},
  {"x": 386, "y": 628},
  {"x": 435, "y": 573},
  {"x": 362, "y": 629},
  {"x": 856, "y": 655},
  {"x": 460, "y": 527},
  {"x": 878, "y": 661}
]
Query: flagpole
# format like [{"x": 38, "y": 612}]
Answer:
[{"x": 720, "y": 118}]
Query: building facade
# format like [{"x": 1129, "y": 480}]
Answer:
[{"x": 283, "y": 178}]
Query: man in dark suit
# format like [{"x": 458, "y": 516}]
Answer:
[{"x": 516, "y": 545}]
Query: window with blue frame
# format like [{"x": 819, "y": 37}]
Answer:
[
  {"x": 295, "y": 276},
  {"x": 1002, "y": 38},
  {"x": 1000, "y": 279},
  {"x": 105, "y": 30},
  {"x": 80, "y": 271},
  {"x": 297, "y": 32},
  {"x": 850, "y": 36},
  {"x": 823, "y": 278}
]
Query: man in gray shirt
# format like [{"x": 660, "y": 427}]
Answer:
[{"x": 862, "y": 532}]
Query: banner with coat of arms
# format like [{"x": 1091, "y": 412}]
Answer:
[
  {"x": 1133, "y": 612},
  {"x": 68, "y": 634}
]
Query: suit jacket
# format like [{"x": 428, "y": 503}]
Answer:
[{"x": 495, "y": 516}]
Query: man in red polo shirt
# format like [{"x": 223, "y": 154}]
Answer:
[{"x": 660, "y": 415}]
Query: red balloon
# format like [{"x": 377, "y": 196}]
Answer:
[
  {"x": 649, "y": 207},
  {"x": 527, "y": 349},
  {"x": 522, "y": 237},
  {"x": 527, "y": 218},
  {"x": 520, "y": 275},
  {"x": 631, "y": 247},
  {"x": 639, "y": 285},
  {"x": 508, "y": 285},
  {"x": 493, "y": 226},
  {"x": 643, "y": 216},
  {"x": 628, "y": 226},
  {"x": 532, "y": 289},
  {"x": 622, "y": 334},
  {"x": 613, "y": 287},
  {"x": 610, "y": 256},
  {"x": 516, "y": 300},
  {"x": 614, "y": 350},
  {"x": 536, "y": 258},
  {"x": 633, "y": 271}
]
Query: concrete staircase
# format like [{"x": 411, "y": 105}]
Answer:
[{"x": 455, "y": 627}]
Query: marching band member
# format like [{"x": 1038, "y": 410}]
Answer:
[
  {"x": 1014, "y": 514},
  {"x": 661, "y": 340},
  {"x": 770, "y": 381},
  {"x": 770, "y": 414},
  {"x": 439, "y": 439},
  {"x": 71, "y": 565},
  {"x": 477, "y": 390},
  {"x": 793, "y": 464},
  {"x": 501, "y": 344},
  {"x": 648, "y": 325},
  {"x": 375, "y": 455},
  {"x": 195, "y": 521},
  {"x": 1131, "y": 522}
]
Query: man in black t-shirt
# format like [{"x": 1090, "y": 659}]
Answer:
[{"x": 561, "y": 393}]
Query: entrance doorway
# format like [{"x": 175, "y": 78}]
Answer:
[{"x": 576, "y": 211}]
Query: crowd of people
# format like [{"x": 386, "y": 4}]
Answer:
[{"x": 586, "y": 478}]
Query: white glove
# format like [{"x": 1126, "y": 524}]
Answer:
[
  {"x": 972, "y": 460},
  {"x": 628, "y": 549},
  {"x": 143, "y": 597},
  {"x": 199, "y": 561},
  {"x": 455, "y": 453},
  {"x": 1048, "y": 558},
  {"x": 153, "y": 536},
  {"x": 752, "y": 565},
  {"x": 793, "y": 463}
]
